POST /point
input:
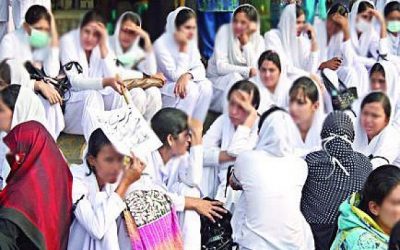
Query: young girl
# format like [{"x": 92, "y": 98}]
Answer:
[
  {"x": 36, "y": 205},
  {"x": 12, "y": 71},
  {"x": 17, "y": 105},
  {"x": 272, "y": 83},
  {"x": 367, "y": 44},
  {"x": 367, "y": 218},
  {"x": 179, "y": 172},
  {"x": 375, "y": 136},
  {"x": 37, "y": 42},
  {"x": 384, "y": 77},
  {"x": 89, "y": 65},
  {"x": 392, "y": 17},
  {"x": 232, "y": 133},
  {"x": 98, "y": 200},
  {"x": 135, "y": 62},
  {"x": 237, "y": 48},
  {"x": 299, "y": 52},
  {"x": 267, "y": 215},
  {"x": 178, "y": 58},
  {"x": 334, "y": 173},
  {"x": 305, "y": 109}
]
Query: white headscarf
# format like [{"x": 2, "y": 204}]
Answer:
[
  {"x": 360, "y": 45},
  {"x": 312, "y": 141},
  {"x": 392, "y": 84},
  {"x": 381, "y": 145},
  {"x": 235, "y": 54},
  {"x": 280, "y": 97},
  {"x": 288, "y": 33},
  {"x": 19, "y": 75},
  {"x": 114, "y": 39},
  {"x": 170, "y": 27},
  {"x": 28, "y": 108},
  {"x": 277, "y": 134}
]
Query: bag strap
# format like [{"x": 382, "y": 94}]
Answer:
[
  {"x": 328, "y": 84},
  {"x": 371, "y": 157}
]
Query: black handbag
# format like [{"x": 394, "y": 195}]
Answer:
[
  {"x": 342, "y": 98},
  {"x": 62, "y": 84},
  {"x": 218, "y": 235}
]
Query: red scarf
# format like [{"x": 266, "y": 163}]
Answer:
[{"x": 38, "y": 196}]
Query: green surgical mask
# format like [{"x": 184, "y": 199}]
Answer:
[
  {"x": 127, "y": 60},
  {"x": 38, "y": 39},
  {"x": 393, "y": 26}
]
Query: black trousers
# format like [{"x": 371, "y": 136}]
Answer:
[{"x": 324, "y": 235}]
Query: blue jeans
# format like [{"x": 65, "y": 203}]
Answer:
[{"x": 209, "y": 23}]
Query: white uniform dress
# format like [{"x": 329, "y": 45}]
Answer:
[
  {"x": 223, "y": 136},
  {"x": 147, "y": 101},
  {"x": 94, "y": 226},
  {"x": 294, "y": 51},
  {"x": 88, "y": 93},
  {"x": 20, "y": 7},
  {"x": 231, "y": 62},
  {"x": 369, "y": 45},
  {"x": 268, "y": 213},
  {"x": 173, "y": 63}
]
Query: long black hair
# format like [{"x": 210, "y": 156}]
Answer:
[{"x": 9, "y": 95}]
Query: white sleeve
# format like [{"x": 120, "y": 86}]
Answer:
[
  {"x": 51, "y": 63},
  {"x": 6, "y": 47},
  {"x": 346, "y": 49},
  {"x": 223, "y": 65},
  {"x": 379, "y": 46},
  {"x": 197, "y": 69},
  {"x": 212, "y": 143},
  {"x": 312, "y": 63},
  {"x": 178, "y": 201},
  {"x": 96, "y": 218},
  {"x": 169, "y": 67},
  {"x": 310, "y": 60},
  {"x": 243, "y": 139},
  {"x": 149, "y": 64},
  {"x": 109, "y": 65},
  {"x": 191, "y": 167},
  {"x": 78, "y": 80}
]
